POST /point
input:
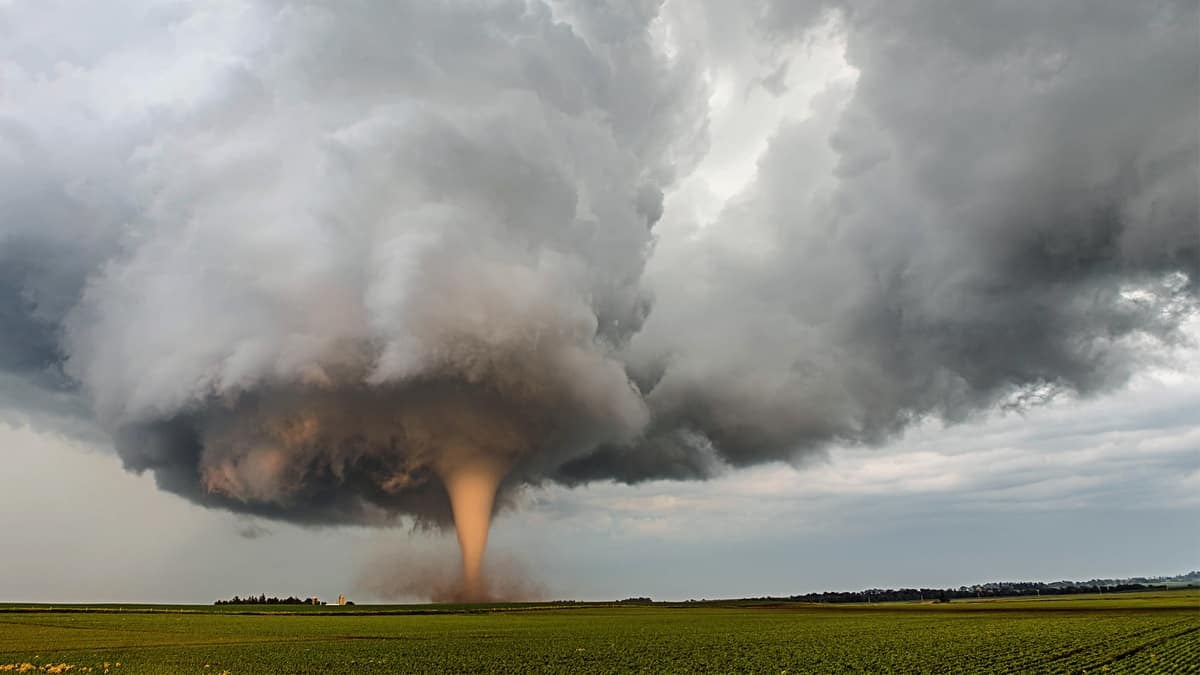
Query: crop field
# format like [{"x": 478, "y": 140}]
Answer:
[{"x": 1135, "y": 633}]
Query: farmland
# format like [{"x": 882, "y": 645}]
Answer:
[{"x": 1141, "y": 632}]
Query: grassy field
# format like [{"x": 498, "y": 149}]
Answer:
[{"x": 1143, "y": 632}]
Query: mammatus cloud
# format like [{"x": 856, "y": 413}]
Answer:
[{"x": 304, "y": 263}]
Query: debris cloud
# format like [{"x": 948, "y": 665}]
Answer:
[{"x": 393, "y": 573}]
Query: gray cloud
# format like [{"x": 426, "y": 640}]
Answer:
[
  {"x": 1003, "y": 206},
  {"x": 293, "y": 261}
]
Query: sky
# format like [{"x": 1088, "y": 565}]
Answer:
[
  {"x": 724, "y": 299},
  {"x": 1104, "y": 488}
]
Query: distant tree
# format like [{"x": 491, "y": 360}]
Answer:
[{"x": 262, "y": 599}]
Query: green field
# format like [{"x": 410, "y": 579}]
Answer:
[{"x": 1141, "y": 632}]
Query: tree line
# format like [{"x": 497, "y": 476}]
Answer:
[
  {"x": 264, "y": 600},
  {"x": 992, "y": 590}
]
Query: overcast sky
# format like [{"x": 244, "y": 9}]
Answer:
[{"x": 744, "y": 298}]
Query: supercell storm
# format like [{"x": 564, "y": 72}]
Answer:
[{"x": 359, "y": 262}]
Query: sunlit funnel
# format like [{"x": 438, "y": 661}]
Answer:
[{"x": 472, "y": 485}]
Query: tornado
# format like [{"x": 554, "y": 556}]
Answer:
[{"x": 471, "y": 485}]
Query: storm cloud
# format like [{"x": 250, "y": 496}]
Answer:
[
  {"x": 1002, "y": 206},
  {"x": 296, "y": 260}
]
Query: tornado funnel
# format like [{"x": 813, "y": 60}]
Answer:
[{"x": 472, "y": 486}]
